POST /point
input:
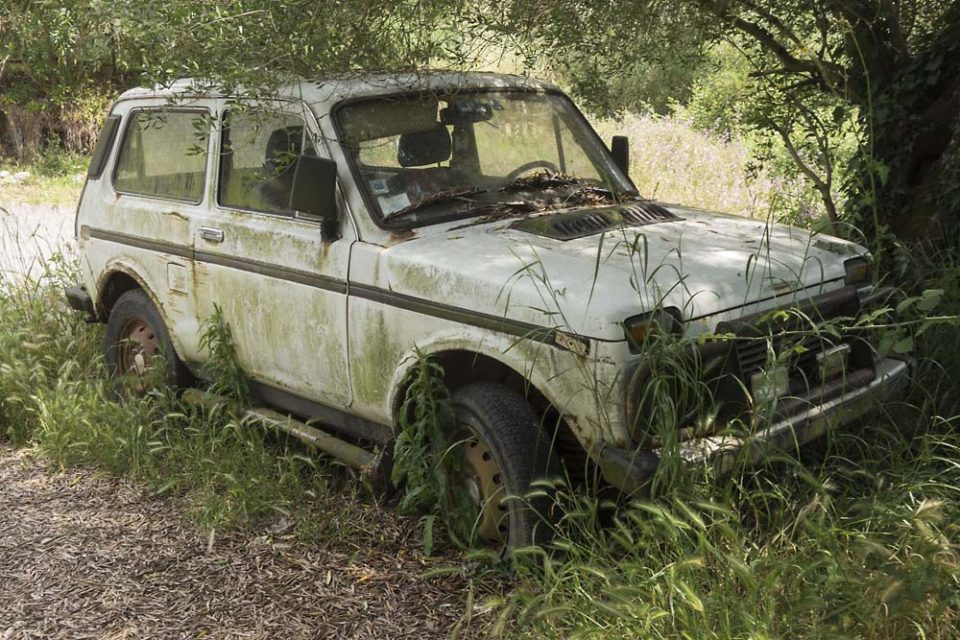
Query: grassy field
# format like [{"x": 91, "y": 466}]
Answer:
[
  {"x": 858, "y": 537},
  {"x": 672, "y": 161},
  {"x": 60, "y": 191},
  {"x": 56, "y": 180}
]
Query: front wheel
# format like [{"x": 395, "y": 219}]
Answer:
[
  {"x": 504, "y": 452},
  {"x": 139, "y": 353}
]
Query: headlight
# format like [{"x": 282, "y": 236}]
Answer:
[
  {"x": 639, "y": 329},
  {"x": 857, "y": 270}
]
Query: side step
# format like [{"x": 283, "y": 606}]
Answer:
[{"x": 351, "y": 455}]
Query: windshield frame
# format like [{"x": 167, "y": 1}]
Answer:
[{"x": 403, "y": 223}]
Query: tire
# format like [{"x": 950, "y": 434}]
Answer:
[
  {"x": 137, "y": 348},
  {"x": 505, "y": 451}
]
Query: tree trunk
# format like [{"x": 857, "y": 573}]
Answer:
[{"x": 905, "y": 179}]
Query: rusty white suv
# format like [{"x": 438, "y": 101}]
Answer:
[{"x": 346, "y": 225}]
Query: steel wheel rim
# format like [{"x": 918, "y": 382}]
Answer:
[
  {"x": 484, "y": 483},
  {"x": 137, "y": 349}
]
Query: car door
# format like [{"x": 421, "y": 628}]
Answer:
[{"x": 280, "y": 287}]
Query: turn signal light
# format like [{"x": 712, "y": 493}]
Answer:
[{"x": 858, "y": 270}]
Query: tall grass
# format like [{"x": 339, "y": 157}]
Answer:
[
  {"x": 55, "y": 398},
  {"x": 672, "y": 161},
  {"x": 859, "y": 539}
]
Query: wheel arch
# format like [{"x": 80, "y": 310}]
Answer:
[
  {"x": 464, "y": 366},
  {"x": 117, "y": 279}
]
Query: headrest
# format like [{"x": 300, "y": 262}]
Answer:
[
  {"x": 283, "y": 147},
  {"x": 424, "y": 147}
]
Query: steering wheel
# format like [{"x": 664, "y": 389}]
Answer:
[{"x": 527, "y": 166}]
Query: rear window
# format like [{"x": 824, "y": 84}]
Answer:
[
  {"x": 107, "y": 135},
  {"x": 164, "y": 154}
]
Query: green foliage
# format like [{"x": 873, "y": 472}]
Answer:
[
  {"x": 58, "y": 163},
  {"x": 427, "y": 464},
  {"x": 59, "y": 61},
  {"x": 907, "y": 171},
  {"x": 721, "y": 94},
  {"x": 611, "y": 88},
  {"x": 859, "y": 541},
  {"x": 873, "y": 72},
  {"x": 222, "y": 366},
  {"x": 938, "y": 343},
  {"x": 55, "y": 398}
]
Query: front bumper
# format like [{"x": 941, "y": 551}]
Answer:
[{"x": 630, "y": 470}]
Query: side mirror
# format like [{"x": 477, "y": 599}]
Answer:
[
  {"x": 315, "y": 193},
  {"x": 620, "y": 150}
]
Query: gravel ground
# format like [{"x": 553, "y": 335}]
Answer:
[
  {"x": 87, "y": 556},
  {"x": 84, "y": 556},
  {"x": 30, "y": 234}
]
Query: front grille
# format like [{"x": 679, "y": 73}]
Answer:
[
  {"x": 797, "y": 353},
  {"x": 727, "y": 365}
]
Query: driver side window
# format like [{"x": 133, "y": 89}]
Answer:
[{"x": 258, "y": 154}]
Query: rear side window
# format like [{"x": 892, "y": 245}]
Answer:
[
  {"x": 164, "y": 154},
  {"x": 104, "y": 143},
  {"x": 258, "y": 158}
]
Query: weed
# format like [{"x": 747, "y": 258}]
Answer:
[
  {"x": 222, "y": 367},
  {"x": 55, "y": 398},
  {"x": 426, "y": 462}
]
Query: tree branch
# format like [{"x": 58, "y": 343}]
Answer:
[
  {"x": 827, "y": 74},
  {"x": 891, "y": 10},
  {"x": 774, "y": 20},
  {"x": 769, "y": 42},
  {"x": 821, "y": 185}
]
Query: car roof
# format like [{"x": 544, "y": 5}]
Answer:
[{"x": 323, "y": 93}]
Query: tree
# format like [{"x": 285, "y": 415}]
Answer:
[
  {"x": 893, "y": 64},
  {"x": 54, "y": 52}
]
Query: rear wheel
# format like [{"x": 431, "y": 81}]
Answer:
[
  {"x": 504, "y": 452},
  {"x": 138, "y": 350}
]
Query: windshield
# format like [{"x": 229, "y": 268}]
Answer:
[{"x": 433, "y": 157}]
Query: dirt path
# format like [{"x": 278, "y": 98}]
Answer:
[
  {"x": 29, "y": 235},
  {"x": 83, "y": 556}
]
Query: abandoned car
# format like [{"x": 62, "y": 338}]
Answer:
[{"x": 346, "y": 227}]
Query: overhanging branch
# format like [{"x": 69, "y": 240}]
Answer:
[{"x": 827, "y": 74}]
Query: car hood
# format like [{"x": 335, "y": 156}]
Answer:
[{"x": 705, "y": 264}]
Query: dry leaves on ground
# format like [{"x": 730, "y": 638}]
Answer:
[{"x": 85, "y": 556}]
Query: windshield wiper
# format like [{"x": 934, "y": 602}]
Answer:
[{"x": 438, "y": 197}]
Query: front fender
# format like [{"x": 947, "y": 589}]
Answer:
[{"x": 571, "y": 383}]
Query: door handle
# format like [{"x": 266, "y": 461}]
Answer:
[{"x": 211, "y": 234}]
